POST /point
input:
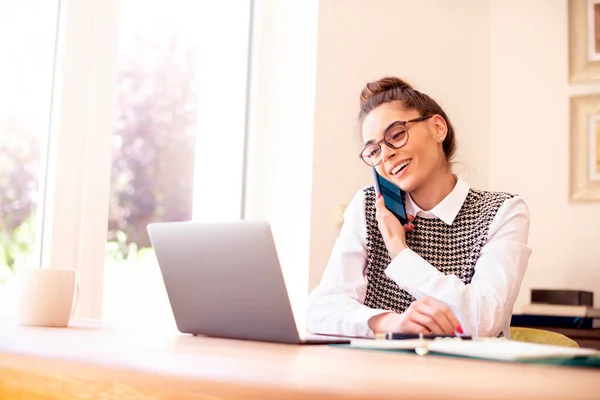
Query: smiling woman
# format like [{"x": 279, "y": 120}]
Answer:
[{"x": 456, "y": 268}]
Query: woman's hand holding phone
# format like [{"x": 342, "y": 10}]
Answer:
[{"x": 391, "y": 229}]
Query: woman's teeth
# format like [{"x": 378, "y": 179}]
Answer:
[{"x": 399, "y": 167}]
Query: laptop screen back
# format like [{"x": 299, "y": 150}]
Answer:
[{"x": 224, "y": 280}]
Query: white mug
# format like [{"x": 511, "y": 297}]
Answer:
[{"x": 46, "y": 296}]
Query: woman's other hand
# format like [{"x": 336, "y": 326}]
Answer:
[{"x": 426, "y": 316}]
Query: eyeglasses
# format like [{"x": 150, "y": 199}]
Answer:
[{"x": 395, "y": 136}]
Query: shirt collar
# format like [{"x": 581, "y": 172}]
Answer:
[{"x": 447, "y": 209}]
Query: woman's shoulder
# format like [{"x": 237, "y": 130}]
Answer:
[
  {"x": 500, "y": 199},
  {"x": 360, "y": 196},
  {"x": 492, "y": 194}
]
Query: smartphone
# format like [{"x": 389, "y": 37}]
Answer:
[{"x": 393, "y": 196}]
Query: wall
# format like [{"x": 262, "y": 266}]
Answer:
[
  {"x": 440, "y": 47},
  {"x": 529, "y": 138}
]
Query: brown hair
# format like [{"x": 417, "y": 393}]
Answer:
[{"x": 391, "y": 89}]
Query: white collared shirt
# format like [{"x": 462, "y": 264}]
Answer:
[{"x": 483, "y": 307}]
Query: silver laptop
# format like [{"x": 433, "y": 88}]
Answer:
[{"x": 224, "y": 280}]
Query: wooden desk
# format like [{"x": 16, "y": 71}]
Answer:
[{"x": 91, "y": 361}]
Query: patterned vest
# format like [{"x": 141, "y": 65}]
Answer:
[{"x": 452, "y": 249}]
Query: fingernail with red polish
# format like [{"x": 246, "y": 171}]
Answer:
[
  {"x": 459, "y": 329},
  {"x": 379, "y": 196}
]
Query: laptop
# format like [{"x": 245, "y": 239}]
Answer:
[{"x": 224, "y": 280}]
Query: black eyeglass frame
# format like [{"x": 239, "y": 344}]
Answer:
[{"x": 388, "y": 130}]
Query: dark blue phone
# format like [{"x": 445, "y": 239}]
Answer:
[{"x": 393, "y": 196}]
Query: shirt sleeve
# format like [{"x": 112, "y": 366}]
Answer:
[
  {"x": 336, "y": 306},
  {"x": 484, "y": 306}
]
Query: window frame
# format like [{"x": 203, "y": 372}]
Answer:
[{"x": 81, "y": 123}]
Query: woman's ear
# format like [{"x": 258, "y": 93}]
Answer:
[{"x": 440, "y": 126}]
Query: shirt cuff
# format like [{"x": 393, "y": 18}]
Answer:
[
  {"x": 409, "y": 270},
  {"x": 361, "y": 319}
]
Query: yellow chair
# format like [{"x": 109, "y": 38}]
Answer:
[{"x": 541, "y": 336}]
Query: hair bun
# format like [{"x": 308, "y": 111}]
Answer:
[{"x": 382, "y": 85}]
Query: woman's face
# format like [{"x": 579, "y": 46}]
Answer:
[{"x": 423, "y": 153}]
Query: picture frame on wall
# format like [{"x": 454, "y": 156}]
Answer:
[
  {"x": 584, "y": 40},
  {"x": 585, "y": 148}
]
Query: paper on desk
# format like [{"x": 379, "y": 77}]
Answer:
[{"x": 492, "y": 348}]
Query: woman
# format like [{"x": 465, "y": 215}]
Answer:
[{"x": 456, "y": 268}]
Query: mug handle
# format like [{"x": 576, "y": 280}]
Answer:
[{"x": 76, "y": 302}]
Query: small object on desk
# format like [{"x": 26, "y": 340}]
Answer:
[
  {"x": 530, "y": 320},
  {"x": 562, "y": 297},
  {"x": 422, "y": 348},
  {"x": 560, "y": 310}
]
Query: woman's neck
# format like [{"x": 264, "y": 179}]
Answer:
[{"x": 436, "y": 188}]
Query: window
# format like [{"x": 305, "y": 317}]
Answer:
[
  {"x": 25, "y": 103},
  {"x": 177, "y": 145},
  {"x": 118, "y": 113}
]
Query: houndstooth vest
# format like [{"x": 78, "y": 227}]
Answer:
[{"x": 452, "y": 249}]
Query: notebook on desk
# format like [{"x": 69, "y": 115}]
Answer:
[{"x": 484, "y": 348}]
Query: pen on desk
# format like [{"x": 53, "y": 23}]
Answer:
[{"x": 405, "y": 336}]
